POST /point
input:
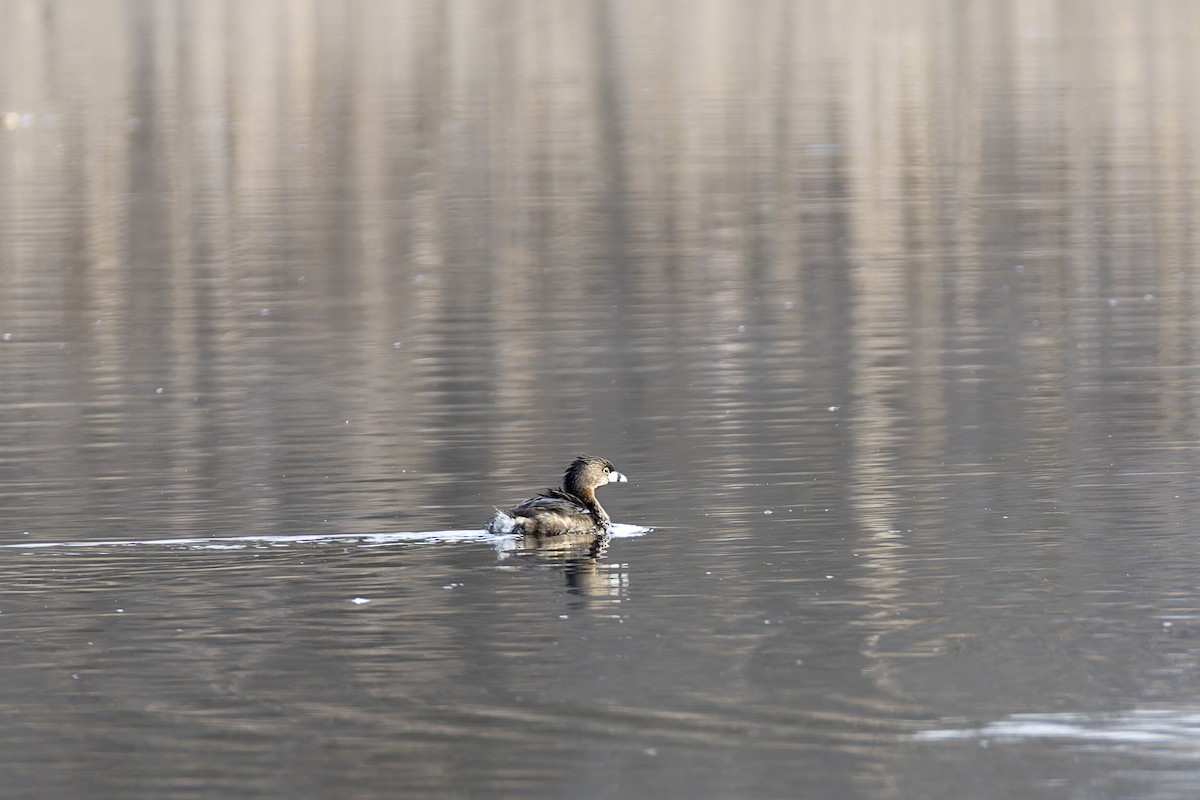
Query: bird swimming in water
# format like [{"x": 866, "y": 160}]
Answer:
[{"x": 573, "y": 509}]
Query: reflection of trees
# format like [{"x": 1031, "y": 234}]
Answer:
[
  {"x": 433, "y": 207},
  {"x": 1003, "y": 299}
]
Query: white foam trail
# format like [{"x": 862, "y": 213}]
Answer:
[
  {"x": 619, "y": 531},
  {"x": 1168, "y": 727}
]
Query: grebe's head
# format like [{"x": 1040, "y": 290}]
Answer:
[{"x": 590, "y": 473}]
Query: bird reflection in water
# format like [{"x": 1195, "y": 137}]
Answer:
[{"x": 581, "y": 558}]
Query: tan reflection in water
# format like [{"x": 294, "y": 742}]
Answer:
[{"x": 200, "y": 197}]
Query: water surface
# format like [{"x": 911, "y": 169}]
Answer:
[{"x": 887, "y": 311}]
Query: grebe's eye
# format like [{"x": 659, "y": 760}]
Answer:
[{"x": 606, "y": 470}]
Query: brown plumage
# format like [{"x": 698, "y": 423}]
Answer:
[{"x": 571, "y": 509}]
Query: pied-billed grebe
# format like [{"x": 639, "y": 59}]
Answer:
[{"x": 571, "y": 509}]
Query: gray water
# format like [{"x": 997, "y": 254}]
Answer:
[{"x": 887, "y": 310}]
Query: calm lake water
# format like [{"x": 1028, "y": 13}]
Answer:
[{"x": 889, "y": 312}]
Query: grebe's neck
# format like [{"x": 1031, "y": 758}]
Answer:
[{"x": 588, "y": 496}]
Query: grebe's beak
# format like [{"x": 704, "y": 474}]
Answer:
[{"x": 616, "y": 477}]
